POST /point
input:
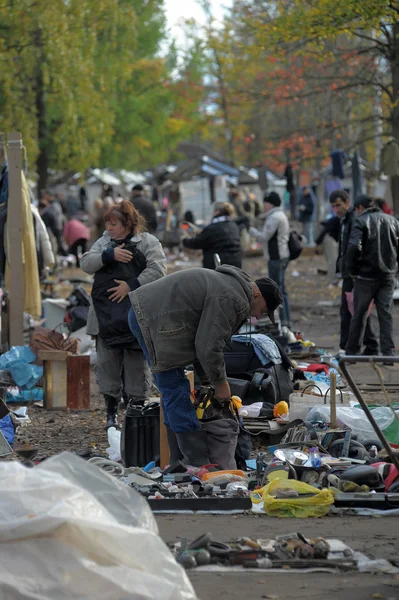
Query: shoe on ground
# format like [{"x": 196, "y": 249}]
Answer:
[
  {"x": 389, "y": 363},
  {"x": 371, "y": 352}
]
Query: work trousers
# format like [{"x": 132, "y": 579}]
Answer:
[
  {"x": 277, "y": 273},
  {"x": 381, "y": 291},
  {"x": 370, "y": 339},
  {"x": 178, "y": 410},
  {"x": 137, "y": 379}
]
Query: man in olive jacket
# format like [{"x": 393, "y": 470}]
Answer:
[{"x": 188, "y": 317}]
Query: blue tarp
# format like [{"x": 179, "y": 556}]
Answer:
[
  {"x": 17, "y": 360},
  {"x": 7, "y": 429},
  {"x": 33, "y": 395}
]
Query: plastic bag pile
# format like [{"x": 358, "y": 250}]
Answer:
[{"x": 70, "y": 530}]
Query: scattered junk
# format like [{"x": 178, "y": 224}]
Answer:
[
  {"x": 292, "y": 553},
  {"x": 296, "y": 440}
]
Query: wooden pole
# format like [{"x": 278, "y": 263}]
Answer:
[
  {"x": 333, "y": 401},
  {"x": 14, "y": 231}
]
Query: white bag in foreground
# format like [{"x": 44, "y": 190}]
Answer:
[{"x": 70, "y": 531}]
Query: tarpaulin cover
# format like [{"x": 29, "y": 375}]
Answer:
[
  {"x": 68, "y": 530},
  {"x": 7, "y": 429},
  {"x": 17, "y": 361}
]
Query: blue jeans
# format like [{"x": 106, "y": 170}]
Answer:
[
  {"x": 308, "y": 227},
  {"x": 277, "y": 273},
  {"x": 178, "y": 410}
]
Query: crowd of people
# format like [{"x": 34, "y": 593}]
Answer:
[{"x": 149, "y": 324}]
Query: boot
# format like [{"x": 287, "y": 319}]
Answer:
[
  {"x": 194, "y": 447},
  {"x": 175, "y": 453},
  {"x": 111, "y": 405}
]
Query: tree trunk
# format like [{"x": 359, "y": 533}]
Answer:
[
  {"x": 395, "y": 82},
  {"x": 225, "y": 110},
  {"x": 42, "y": 162},
  {"x": 395, "y": 109}
]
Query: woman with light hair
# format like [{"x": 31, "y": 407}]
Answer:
[{"x": 221, "y": 237}]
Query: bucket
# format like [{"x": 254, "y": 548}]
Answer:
[{"x": 140, "y": 435}]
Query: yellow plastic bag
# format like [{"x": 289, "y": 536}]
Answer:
[{"x": 305, "y": 505}]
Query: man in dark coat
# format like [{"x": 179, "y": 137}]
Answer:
[
  {"x": 340, "y": 203},
  {"x": 372, "y": 260},
  {"x": 145, "y": 208}
]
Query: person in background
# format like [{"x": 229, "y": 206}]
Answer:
[
  {"x": 306, "y": 213},
  {"x": 123, "y": 241},
  {"x": 372, "y": 261},
  {"x": 76, "y": 236},
  {"x": 72, "y": 205},
  {"x": 340, "y": 203},
  {"x": 145, "y": 208},
  {"x": 329, "y": 237},
  {"x": 55, "y": 208},
  {"x": 188, "y": 317},
  {"x": 275, "y": 236},
  {"x": 52, "y": 223},
  {"x": 189, "y": 217},
  {"x": 382, "y": 205},
  {"x": 221, "y": 237}
]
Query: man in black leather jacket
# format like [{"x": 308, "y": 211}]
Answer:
[
  {"x": 341, "y": 205},
  {"x": 372, "y": 260}
]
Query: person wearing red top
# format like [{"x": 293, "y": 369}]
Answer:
[
  {"x": 76, "y": 235},
  {"x": 382, "y": 205}
]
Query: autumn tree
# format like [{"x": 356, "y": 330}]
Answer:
[{"x": 86, "y": 83}]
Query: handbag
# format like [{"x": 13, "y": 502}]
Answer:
[{"x": 50, "y": 339}]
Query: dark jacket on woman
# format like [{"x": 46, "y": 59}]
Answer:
[
  {"x": 221, "y": 237},
  {"x": 112, "y": 316}
]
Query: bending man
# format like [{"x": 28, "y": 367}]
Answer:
[{"x": 189, "y": 317}]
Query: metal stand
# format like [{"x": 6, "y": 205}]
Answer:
[{"x": 351, "y": 360}]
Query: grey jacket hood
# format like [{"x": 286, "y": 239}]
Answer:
[{"x": 243, "y": 278}]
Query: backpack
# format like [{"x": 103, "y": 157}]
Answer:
[
  {"x": 78, "y": 309},
  {"x": 295, "y": 245}
]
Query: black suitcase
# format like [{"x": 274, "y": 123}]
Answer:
[{"x": 140, "y": 435}]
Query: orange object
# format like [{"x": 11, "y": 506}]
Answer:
[
  {"x": 213, "y": 474},
  {"x": 280, "y": 409}
]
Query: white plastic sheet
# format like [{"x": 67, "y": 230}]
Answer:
[
  {"x": 354, "y": 418},
  {"x": 70, "y": 531}
]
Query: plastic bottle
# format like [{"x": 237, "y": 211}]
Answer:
[{"x": 315, "y": 458}]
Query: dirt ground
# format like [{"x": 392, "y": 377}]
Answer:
[{"x": 54, "y": 432}]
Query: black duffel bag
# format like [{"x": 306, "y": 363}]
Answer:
[{"x": 242, "y": 364}]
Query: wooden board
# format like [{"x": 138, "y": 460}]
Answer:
[
  {"x": 78, "y": 382},
  {"x": 53, "y": 355},
  {"x": 14, "y": 225},
  {"x": 55, "y": 384}
]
